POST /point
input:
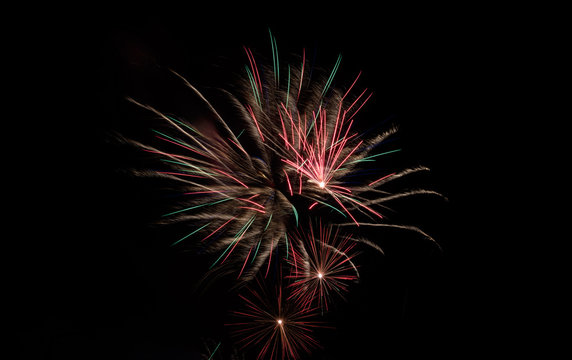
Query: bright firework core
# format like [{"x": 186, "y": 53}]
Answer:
[
  {"x": 322, "y": 184},
  {"x": 320, "y": 275},
  {"x": 279, "y": 321}
]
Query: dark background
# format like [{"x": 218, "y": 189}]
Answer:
[{"x": 96, "y": 281}]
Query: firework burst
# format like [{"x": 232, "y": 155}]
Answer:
[
  {"x": 275, "y": 327},
  {"x": 323, "y": 266},
  {"x": 296, "y": 151},
  {"x": 251, "y": 183}
]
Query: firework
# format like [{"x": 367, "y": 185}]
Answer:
[
  {"x": 276, "y": 327},
  {"x": 257, "y": 186},
  {"x": 326, "y": 268},
  {"x": 302, "y": 151}
]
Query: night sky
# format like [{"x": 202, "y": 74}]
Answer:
[{"x": 97, "y": 281}]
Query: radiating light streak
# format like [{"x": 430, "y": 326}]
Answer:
[
  {"x": 268, "y": 223},
  {"x": 243, "y": 265},
  {"x": 362, "y": 205},
  {"x": 380, "y": 179},
  {"x": 288, "y": 181},
  {"x": 254, "y": 76},
  {"x": 295, "y": 213},
  {"x": 332, "y": 74},
  {"x": 275, "y": 61},
  {"x": 232, "y": 177},
  {"x": 301, "y": 74},
  {"x": 192, "y": 233},
  {"x": 214, "y": 351},
  {"x": 252, "y": 202},
  {"x": 253, "y": 209},
  {"x": 238, "y": 146},
  {"x": 217, "y": 229},
  {"x": 368, "y": 158},
  {"x": 197, "y": 206},
  {"x": 254, "y": 86},
  {"x": 256, "y": 252},
  {"x": 177, "y": 142},
  {"x": 251, "y": 112}
]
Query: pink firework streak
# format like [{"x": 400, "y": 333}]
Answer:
[
  {"x": 325, "y": 269},
  {"x": 277, "y": 329}
]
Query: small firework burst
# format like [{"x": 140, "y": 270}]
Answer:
[
  {"x": 326, "y": 268},
  {"x": 276, "y": 327}
]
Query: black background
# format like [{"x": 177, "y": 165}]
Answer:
[{"x": 96, "y": 281}]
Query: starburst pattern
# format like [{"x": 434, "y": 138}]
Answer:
[
  {"x": 253, "y": 183},
  {"x": 326, "y": 268},
  {"x": 276, "y": 327}
]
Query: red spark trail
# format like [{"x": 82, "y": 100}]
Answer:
[
  {"x": 254, "y": 68},
  {"x": 378, "y": 180},
  {"x": 249, "y": 108},
  {"x": 232, "y": 177},
  {"x": 220, "y": 227}
]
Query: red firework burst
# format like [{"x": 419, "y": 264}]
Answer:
[
  {"x": 325, "y": 268},
  {"x": 278, "y": 329}
]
